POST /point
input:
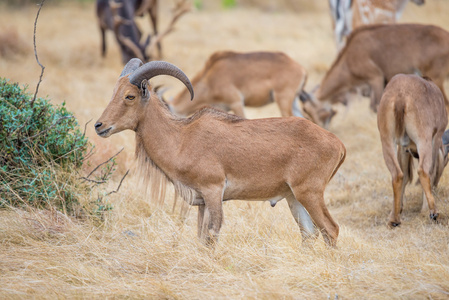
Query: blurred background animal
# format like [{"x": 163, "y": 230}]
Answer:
[
  {"x": 348, "y": 15},
  {"x": 231, "y": 80},
  {"x": 119, "y": 17},
  {"x": 341, "y": 14},
  {"x": 412, "y": 120},
  {"x": 151, "y": 7},
  {"x": 375, "y": 53}
]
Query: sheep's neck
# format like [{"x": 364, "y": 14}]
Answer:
[{"x": 160, "y": 135}]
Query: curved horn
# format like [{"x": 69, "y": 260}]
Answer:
[
  {"x": 131, "y": 66},
  {"x": 154, "y": 68}
]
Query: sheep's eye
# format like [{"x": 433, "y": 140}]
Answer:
[{"x": 129, "y": 97}]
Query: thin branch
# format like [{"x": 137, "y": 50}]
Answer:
[
  {"x": 94, "y": 181},
  {"x": 119, "y": 185},
  {"x": 35, "y": 53},
  {"x": 181, "y": 7},
  {"x": 85, "y": 127},
  {"x": 96, "y": 168},
  {"x": 88, "y": 155},
  {"x": 77, "y": 137}
]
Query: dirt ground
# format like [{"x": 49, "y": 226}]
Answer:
[{"x": 142, "y": 251}]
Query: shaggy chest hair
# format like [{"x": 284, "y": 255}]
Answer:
[{"x": 155, "y": 182}]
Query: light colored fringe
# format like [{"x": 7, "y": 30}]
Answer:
[{"x": 157, "y": 185}]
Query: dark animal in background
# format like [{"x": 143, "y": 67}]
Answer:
[
  {"x": 119, "y": 16},
  {"x": 411, "y": 120},
  {"x": 152, "y": 8}
]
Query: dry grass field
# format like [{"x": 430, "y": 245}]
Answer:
[{"x": 141, "y": 250}]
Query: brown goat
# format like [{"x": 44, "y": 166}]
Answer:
[
  {"x": 411, "y": 121},
  {"x": 374, "y": 54},
  {"x": 213, "y": 157},
  {"x": 229, "y": 80}
]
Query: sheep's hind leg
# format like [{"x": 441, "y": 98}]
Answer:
[
  {"x": 313, "y": 202},
  {"x": 309, "y": 232}
]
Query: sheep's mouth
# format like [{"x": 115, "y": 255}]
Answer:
[{"x": 105, "y": 132}]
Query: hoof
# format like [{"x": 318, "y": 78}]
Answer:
[
  {"x": 210, "y": 243},
  {"x": 394, "y": 224},
  {"x": 434, "y": 216}
]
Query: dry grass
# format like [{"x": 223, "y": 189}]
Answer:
[{"x": 141, "y": 251}]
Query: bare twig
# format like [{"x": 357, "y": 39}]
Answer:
[
  {"x": 94, "y": 181},
  {"x": 77, "y": 137},
  {"x": 181, "y": 7},
  {"x": 35, "y": 53},
  {"x": 119, "y": 185},
  {"x": 89, "y": 155},
  {"x": 85, "y": 127},
  {"x": 96, "y": 168}
]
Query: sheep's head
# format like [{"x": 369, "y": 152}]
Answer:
[
  {"x": 131, "y": 95},
  {"x": 315, "y": 110}
]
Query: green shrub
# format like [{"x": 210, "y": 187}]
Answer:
[
  {"x": 228, "y": 3},
  {"x": 198, "y": 4},
  {"x": 41, "y": 151}
]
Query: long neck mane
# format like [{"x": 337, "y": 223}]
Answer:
[{"x": 156, "y": 145}]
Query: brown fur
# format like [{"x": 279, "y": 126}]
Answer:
[
  {"x": 411, "y": 121},
  {"x": 399, "y": 115},
  {"x": 374, "y": 54},
  {"x": 342, "y": 54},
  {"x": 215, "y": 113},
  {"x": 209, "y": 63},
  {"x": 212, "y": 157},
  {"x": 261, "y": 78}
]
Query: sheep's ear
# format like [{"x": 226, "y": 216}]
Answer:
[{"x": 144, "y": 89}]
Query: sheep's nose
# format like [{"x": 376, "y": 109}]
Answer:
[{"x": 98, "y": 125}]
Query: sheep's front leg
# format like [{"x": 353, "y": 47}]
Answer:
[
  {"x": 210, "y": 216},
  {"x": 377, "y": 87}
]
